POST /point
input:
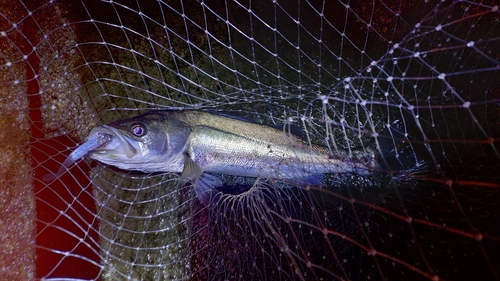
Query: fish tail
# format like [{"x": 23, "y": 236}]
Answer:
[{"x": 396, "y": 151}]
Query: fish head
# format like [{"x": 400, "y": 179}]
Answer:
[{"x": 141, "y": 143}]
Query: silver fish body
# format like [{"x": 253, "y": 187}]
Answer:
[{"x": 195, "y": 143}]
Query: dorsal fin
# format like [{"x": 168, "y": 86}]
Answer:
[
  {"x": 238, "y": 115},
  {"x": 293, "y": 129}
]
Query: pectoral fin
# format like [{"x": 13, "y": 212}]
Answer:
[
  {"x": 191, "y": 170},
  {"x": 203, "y": 184}
]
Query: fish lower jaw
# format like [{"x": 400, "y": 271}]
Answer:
[
  {"x": 122, "y": 162},
  {"x": 114, "y": 159},
  {"x": 107, "y": 153}
]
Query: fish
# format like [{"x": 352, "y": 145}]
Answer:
[{"x": 197, "y": 144}]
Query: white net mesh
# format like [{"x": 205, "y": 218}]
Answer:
[{"x": 429, "y": 71}]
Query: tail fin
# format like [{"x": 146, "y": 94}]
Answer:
[{"x": 397, "y": 151}]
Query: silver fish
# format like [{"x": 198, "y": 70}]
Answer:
[{"x": 194, "y": 143}]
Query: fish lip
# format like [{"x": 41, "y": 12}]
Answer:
[{"x": 127, "y": 148}]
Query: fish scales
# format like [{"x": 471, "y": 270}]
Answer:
[{"x": 237, "y": 154}]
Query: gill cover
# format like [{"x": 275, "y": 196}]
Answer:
[{"x": 159, "y": 135}]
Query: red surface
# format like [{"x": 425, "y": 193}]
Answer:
[{"x": 65, "y": 220}]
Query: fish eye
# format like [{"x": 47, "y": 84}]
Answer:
[{"x": 138, "y": 129}]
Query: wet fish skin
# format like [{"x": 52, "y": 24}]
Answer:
[{"x": 195, "y": 143}]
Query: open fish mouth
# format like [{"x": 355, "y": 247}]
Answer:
[
  {"x": 105, "y": 142},
  {"x": 117, "y": 145}
]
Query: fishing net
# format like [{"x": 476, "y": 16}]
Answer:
[{"x": 416, "y": 81}]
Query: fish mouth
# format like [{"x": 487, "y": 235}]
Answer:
[{"x": 118, "y": 145}]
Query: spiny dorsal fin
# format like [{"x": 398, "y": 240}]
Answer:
[{"x": 293, "y": 129}]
